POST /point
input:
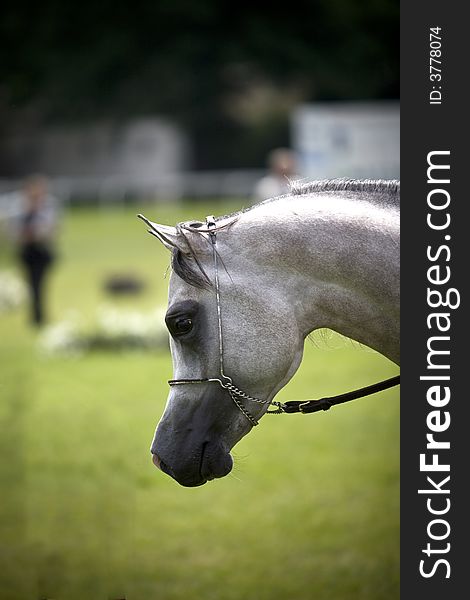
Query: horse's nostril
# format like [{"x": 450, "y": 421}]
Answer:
[{"x": 156, "y": 461}]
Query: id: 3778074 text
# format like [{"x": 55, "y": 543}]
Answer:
[{"x": 435, "y": 65}]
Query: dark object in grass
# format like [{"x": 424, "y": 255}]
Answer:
[{"x": 124, "y": 284}]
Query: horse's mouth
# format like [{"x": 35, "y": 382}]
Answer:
[
  {"x": 181, "y": 479},
  {"x": 211, "y": 465}
]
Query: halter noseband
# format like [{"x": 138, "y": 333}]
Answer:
[{"x": 237, "y": 395}]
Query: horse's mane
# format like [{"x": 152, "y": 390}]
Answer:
[
  {"x": 382, "y": 191},
  {"x": 374, "y": 186}
]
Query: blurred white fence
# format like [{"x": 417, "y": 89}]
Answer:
[{"x": 114, "y": 190}]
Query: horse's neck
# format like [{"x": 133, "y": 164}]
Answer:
[{"x": 337, "y": 259}]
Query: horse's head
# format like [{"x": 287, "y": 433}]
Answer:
[{"x": 250, "y": 334}]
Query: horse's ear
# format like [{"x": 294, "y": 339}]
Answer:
[{"x": 168, "y": 236}]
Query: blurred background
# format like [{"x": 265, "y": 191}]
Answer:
[
  {"x": 178, "y": 110},
  {"x": 179, "y": 99}
]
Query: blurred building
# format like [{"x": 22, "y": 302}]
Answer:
[
  {"x": 143, "y": 157},
  {"x": 347, "y": 139}
]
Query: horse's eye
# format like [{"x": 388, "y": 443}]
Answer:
[
  {"x": 182, "y": 325},
  {"x": 180, "y": 318}
]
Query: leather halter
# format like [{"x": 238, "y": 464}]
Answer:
[{"x": 237, "y": 395}]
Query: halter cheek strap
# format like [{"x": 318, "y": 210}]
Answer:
[
  {"x": 225, "y": 382},
  {"x": 238, "y": 395}
]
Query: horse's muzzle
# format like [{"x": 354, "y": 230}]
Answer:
[{"x": 213, "y": 463}]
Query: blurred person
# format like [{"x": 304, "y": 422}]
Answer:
[
  {"x": 35, "y": 230},
  {"x": 282, "y": 169}
]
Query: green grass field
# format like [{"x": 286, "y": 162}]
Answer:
[{"x": 311, "y": 510}]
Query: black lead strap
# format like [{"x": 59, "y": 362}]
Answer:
[{"x": 311, "y": 406}]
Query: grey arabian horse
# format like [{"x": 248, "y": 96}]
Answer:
[{"x": 247, "y": 289}]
